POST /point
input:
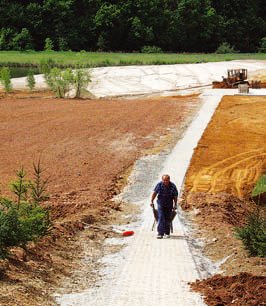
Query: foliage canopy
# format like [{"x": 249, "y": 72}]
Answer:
[{"x": 128, "y": 25}]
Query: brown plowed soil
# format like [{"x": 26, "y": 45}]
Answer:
[
  {"x": 86, "y": 148},
  {"x": 231, "y": 154},
  {"x": 227, "y": 162},
  {"x": 243, "y": 289}
]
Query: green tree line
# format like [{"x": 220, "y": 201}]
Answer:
[{"x": 128, "y": 25}]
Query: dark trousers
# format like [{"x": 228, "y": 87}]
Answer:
[{"x": 164, "y": 219}]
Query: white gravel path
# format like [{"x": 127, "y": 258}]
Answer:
[{"x": 149, "y": 271}]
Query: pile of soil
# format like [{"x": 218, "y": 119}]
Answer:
[
  {"x": 87, "y": 148},
  {"x": 239, "y": 290},
  {"x": 219, "y": 209}
]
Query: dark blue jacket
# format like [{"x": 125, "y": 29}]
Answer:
[{"x": 165, "y": 194}]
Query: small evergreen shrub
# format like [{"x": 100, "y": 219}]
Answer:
[
  {"x": 31, "y": 80},
  {"x": 151, "y": 49},
  {"x": 23, "y": 219},
  {"x": 225, "y": 48},
  {"x": 5, "y": 79},
  {"x": 253, "y": 235}
]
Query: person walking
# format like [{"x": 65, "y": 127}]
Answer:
[{"x": 167, "y": 194}]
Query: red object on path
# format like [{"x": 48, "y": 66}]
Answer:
[{"x": 128, "y": 233}]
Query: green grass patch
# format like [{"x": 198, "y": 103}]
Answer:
[{"x": 99, "y": 59}]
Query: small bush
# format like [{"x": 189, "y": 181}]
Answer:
[
  {"x": 31, "y": 80},
  {"x": 5, "y": 79},
  {"x": 253, "y": 235},
  {"x": 61, "y": 81},
  {"x": 225, "y": 48},
  {"x": 23, "y": 220},
  {"x": 48, "y": 44},
  {"x": 151, "y": 49},
  {"x": 9, "y": 226},
  {"x": 81, "y": 79},
  {"x": 38, "y": 186},
  {"x": 6, "y": 36}
]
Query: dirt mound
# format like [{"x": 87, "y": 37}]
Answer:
[
  {"x": 239, "y": 290},
  {"x": 220, "y": 208}
]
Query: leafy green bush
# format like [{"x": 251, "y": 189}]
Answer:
[
  {"x": 31, "y": 80},
  {"x": 253, "y": 235},
  {"x": 6, "y": 36},
  {"x": 22, "y": 41},
  {"x": 23, "y": 219},
  {"x": 61, "y": 81},
  {"x": 5, "y": 79},
  {"x": 81, "y": 79},
  {"x": 225, "y": 48},
  {"x": 151, "y": 49}
]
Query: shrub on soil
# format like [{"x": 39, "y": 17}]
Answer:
[
  {"x": 22, "y": 219},
  {"x": 253, "y": 235},
  {"x": 31, "y": 80},
  {"x": 61, "y": 81},
  {"x": 5, "y": 78}
]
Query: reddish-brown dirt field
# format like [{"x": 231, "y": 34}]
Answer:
[
  {"x": 86, "y": 148},
  {"x": 227, "y": 162}
]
